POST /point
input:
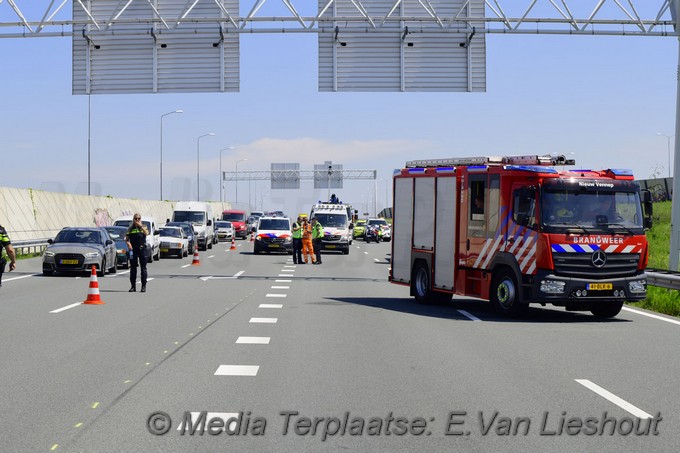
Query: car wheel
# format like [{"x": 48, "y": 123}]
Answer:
[
  {"x": 606, "y": 309},
  {"x": 346, "y": 251},
  {"x": 47, "y": 273},
  {"x": 102, "y": 268},
  {"x": 158, "y": 255},
  {"x": 114, "y": 268},
  {"x": 505, "y": 296}
]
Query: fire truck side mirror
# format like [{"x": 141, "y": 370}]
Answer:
[{"x": 648, "y": 208}]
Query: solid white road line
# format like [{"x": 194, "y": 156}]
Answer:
[
  {"x": 280, "y": 287},
  {"x": 237, "y": 370},
  {"x": 468, "y": 315},
  {"x": 19, "y": 278},
  {"x": 649, "y": 315},
  {"x": 59, "y": 310},
  {"x": 276, "y": 295},
  {"x": 271, "y": 306},
  {"x": 283, "y": 281},
  {"x": 253, "y": 340},
  {"x": 224, "y": 416},
  {"x": 623, "y": 404},
  {"x": 263, "y": 320}
]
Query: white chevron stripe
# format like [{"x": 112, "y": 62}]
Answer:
[
  {"x": 530, "y": 255},
  {"x": 532, "y": 268},
  {"x": 611, "y": 249},
  {"x": 516, "y": 244},
  {"x": 530, "y": 239},
  {"x": 492, "y": 252},
  {"x": 628, "y": 249},
  {"x": 481, "y": 255},
  {"x": 568, "y": 248}
]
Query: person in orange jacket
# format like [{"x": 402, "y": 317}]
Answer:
[{"x": 307, "y": 247}]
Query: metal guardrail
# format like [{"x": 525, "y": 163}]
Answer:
[
  {"x": 30, "y": 245},
  {"x": 663, "y": 278}
]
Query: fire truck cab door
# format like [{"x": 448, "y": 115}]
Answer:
[{"x": 482, "y": 219}]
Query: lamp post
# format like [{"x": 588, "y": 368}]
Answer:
[
  {"x": 668, "y": 137},
  {"x": 221, "y": 174},
  {"x": 240, "y": 160},
  {"x": 198, "y": 167},
  {"x": 161, "y": 176}
]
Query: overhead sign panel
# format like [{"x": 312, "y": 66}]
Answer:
[
  {"x": 431, "y": 52},
  {"x": 119, "y": 51},
  {"x": 327, "y": 174},
  {"x": 285, "y": 176}
]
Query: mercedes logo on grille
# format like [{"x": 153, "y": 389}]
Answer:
[{"x": 599, "y": 259}]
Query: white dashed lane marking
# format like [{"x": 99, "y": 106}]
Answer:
[
  {"x": 271, "y": 306},
  {"x": 237, "y": 370},
  {"x": 276, "y": 295},
  {"x": 59, "y": 310},
  {"x": 623, "y": 404},
  {"x": 280, "y": 287},
  {"x": 253, "y": 340},
  {"x": 263, "y": 320}
]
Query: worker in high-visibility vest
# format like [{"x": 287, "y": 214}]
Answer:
[
  {"x": 317, "y": 236},
  {"x": 307, "y": 248},
  {"x": 297, "y": 241}
]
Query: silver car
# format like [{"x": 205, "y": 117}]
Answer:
[{"x": 77, "y": 249}]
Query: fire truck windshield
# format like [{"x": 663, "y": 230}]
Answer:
[{"x": 563, "y": 210}]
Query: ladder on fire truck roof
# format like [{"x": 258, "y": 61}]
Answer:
[{"x": 546, "y": 160}]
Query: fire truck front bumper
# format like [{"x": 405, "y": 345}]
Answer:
[{"x": 559, "y": 290}]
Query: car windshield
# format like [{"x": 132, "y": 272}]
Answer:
[
  {"x": 361, "y": 222},
  {"x": 234, "y": 216},
  {"x": 332, "y": 220},
  {"x": 377, "y": 222},
  {"x": 274, "y": 224},
  {"x": 223, "y": 224},
  {"x": 565, "y": 209},
  {"x": 78, "y": 237},
  {"x": 185, "y": 227},
  {"x": 116, "y": 233},
  {"x": 195, "y": 217},
  {"x": 170, "y": 232},
  {"x": 127, "y": 223}
]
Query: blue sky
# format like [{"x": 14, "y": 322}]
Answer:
[{"x": 601, "y": 98}]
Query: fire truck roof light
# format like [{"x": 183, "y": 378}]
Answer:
[
  {"x": 446, "y": 170},
  {"x": 545, "y": 160},
  {"x": 531, "y": 168},
  {"x": 621, "y": 171}
]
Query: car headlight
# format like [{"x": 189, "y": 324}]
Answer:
[
  {"x": 288, "y": 240},
  {"x": 258, "y": 238},
  {"x": 49, "y": 254},
  {"x": 92, "y": 255},
  {"x": 201, "y": 234}
]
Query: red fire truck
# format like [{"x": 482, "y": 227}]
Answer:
[{"x": 516, "y": 230}]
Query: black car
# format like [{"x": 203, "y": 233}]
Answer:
[
  {"x": 122, "y": 252},
  {"x": 189, "y": 232}
]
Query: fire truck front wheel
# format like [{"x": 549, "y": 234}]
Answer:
[
  {"x": 606, "y": 309},
  {"x": 505, "y": 296}
]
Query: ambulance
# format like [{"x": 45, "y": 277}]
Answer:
[{"x": 516, "y": 230}]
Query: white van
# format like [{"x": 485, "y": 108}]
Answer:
[
  {"x": 153, "y": 239},
  {"x": 337, "y": 225},
  {"x": 201, "y": 217}
]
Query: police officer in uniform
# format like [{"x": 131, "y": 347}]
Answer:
[
  {"x": 7, "y": 245},
  {"x": 297, "y": 241},
  {"x": 136, "y": 241}
]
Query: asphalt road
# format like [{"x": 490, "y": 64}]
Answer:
[{"x": 319, "y": 358}]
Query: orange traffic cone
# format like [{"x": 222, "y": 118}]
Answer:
[
  {"x": 252, "y": 236},
  {"x": 233, "y": 244},
  {"x": 196, "y": 261},
  {"x": 93, "y": 292}
]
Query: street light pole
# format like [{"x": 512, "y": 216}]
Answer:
[
  {"x": 668, "y": 137},
  {"x": 330, "y": 172},
  {"x": 161, "y": 169},
  {"x": 240, "y": 160},
  {"x": 198, "y": 167},
  {"x": 221, "y": 174}
]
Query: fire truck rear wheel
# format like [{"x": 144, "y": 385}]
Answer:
[
  {"x": 505, "y": 293},
  {"x": 421, "y": 284},
  {"x": 606, "y": 309}
]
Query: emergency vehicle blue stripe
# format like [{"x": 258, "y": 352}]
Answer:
[
  {"x": 557, "y": 248},
  {"x": 578, "y": 248},
  {"x": 504, "y": 224}
]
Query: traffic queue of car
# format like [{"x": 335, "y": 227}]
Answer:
[{"x": 77, "y": 249}]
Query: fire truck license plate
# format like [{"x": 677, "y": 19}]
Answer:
[{"x": 599, "y": 286}]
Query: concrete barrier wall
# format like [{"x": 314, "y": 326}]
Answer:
[{"x": 36, "y": 214}]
